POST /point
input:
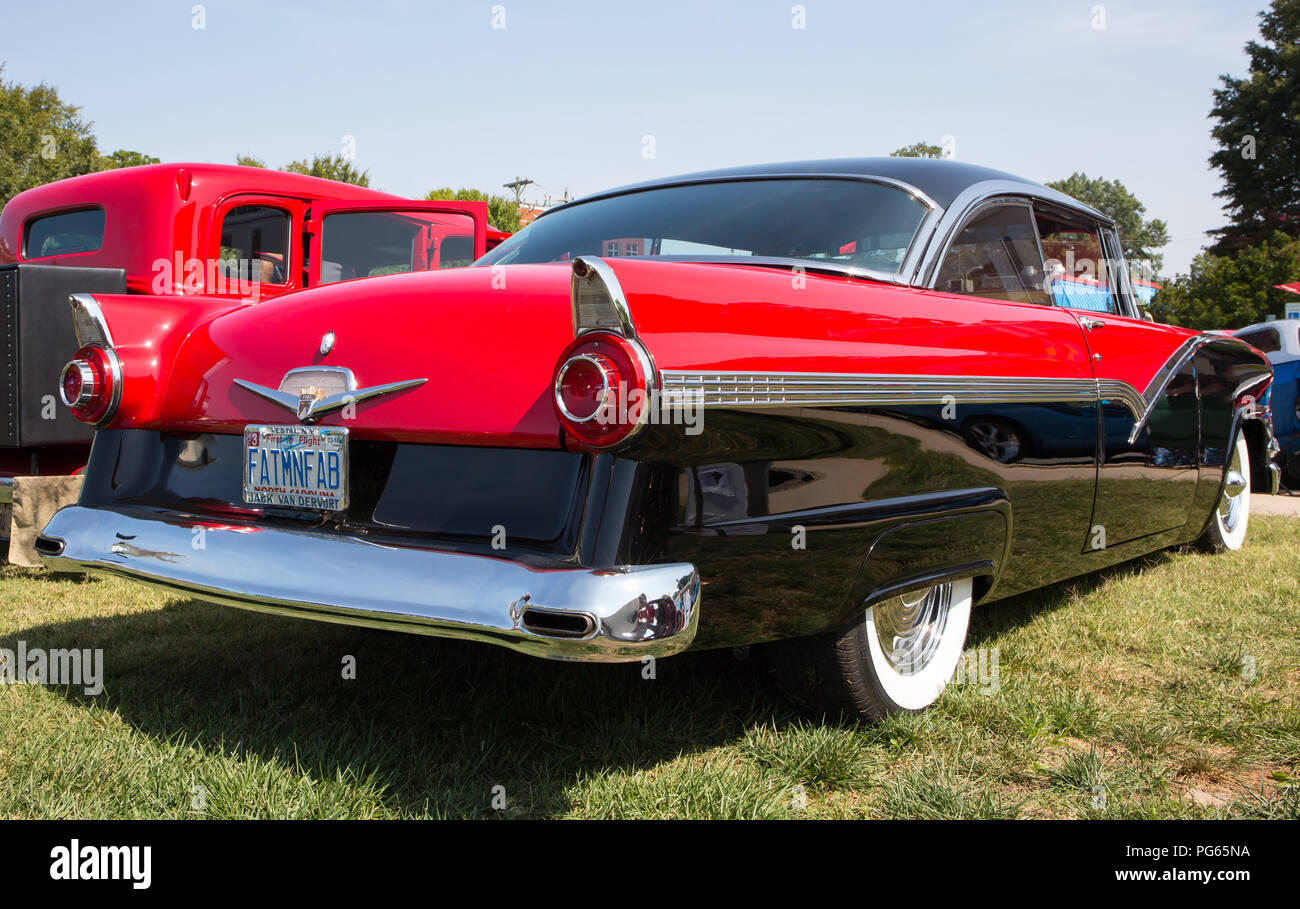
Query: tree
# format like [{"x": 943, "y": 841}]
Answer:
[
  {"x": 249, "y": 161},
  {"x": 1140, "y": 239},
  {"x": 124, "y": 158},
  {"x": 1258, "y": 134},
  {"x": 43, "y": 139},
  {"x": 918, "y": 150},
  {"x": 502, "y": 212},
  {"x": 1231, "y": 291},
  {"x": 329, "y": 167}
]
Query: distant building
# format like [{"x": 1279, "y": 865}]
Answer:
[{"x": 528, "y": 213}]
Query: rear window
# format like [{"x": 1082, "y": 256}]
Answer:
[
  {"x": 369, "y": 244},
  {"x": 65, "y": 233},
  {"x": 1264, "y": 339},
  {"x": 856, "y": 224}
]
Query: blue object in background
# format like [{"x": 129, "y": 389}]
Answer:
[{"x": 1076, "y": 294}]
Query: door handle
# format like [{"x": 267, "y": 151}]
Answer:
[{"x": 1090, "y": 324}]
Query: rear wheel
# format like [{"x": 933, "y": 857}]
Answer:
[
  {"x": 1227, "y": 529},
  {"x": 897, "y": 657}
]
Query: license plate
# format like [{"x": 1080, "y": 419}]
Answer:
[{"x": 296, "y": 466}]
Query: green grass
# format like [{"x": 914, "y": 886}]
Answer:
[{"x": 1162, "y": 688}]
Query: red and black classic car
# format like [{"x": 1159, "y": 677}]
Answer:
[
  {"x": 169, "y": 230},
  {"x": 729, "y": 408}
]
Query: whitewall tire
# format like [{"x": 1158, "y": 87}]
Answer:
[
  {"x": 897, "y": 657},
  {"x": 1227, "y": 527}
]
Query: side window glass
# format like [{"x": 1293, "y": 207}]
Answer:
[
  {"x": 255, "y": 244},
  {"x": 368, "y": 244},
  {"x": 1077, "y": 271},
  {"x": 996, "y": 256},
  {"x": 64, "y": 233},
  {"x": 1265, "y": 340}
]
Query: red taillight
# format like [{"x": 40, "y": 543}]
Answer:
[
  {"x": 91, "y": 384},
  {"x": 602, "y": 383}
]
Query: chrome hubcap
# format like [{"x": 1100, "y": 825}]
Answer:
[
  {"x": 909, "y": 627},
  {"x": 1234, "y": 485}
]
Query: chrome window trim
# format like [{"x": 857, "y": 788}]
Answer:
[
  {"x": 975, "y": 213},
  {"x": 974, "y": 196},
  {"x": 1123, "y": 286}
]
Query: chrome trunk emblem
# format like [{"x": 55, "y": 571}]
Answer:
[
  {"x": 326, "y": 343},
  {"x": 312, "y": 392}
]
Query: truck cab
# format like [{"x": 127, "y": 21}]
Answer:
[{"x": 168, "y": 230}]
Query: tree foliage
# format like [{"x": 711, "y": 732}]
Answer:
[
  {"x": 330, "y": 167},
  {"x": 1139, "y": 238},
  {"x": 502, "y": 212},
  {"x": 918, "y": 150},
  {"x": 327, "y": 167},
  {"x": 1231, "y": 291},
  {"x": 1258, "y": 134},
  {"x": 43, "y": 138}
]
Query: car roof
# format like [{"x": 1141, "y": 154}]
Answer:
[
  {"x": 1288, "y": 332},
  {"x": 943, "y": 180},
  {"x": 222, "y": 178}
]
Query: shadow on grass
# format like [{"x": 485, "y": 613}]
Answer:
[
  {"x": 438, "y": 722},
  {"x": 1001, "y": 616}
]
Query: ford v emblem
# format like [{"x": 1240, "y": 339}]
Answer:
[{"x": 305, "y": 392}]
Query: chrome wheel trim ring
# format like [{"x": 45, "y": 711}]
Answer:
[{"x": 909, "y": 627}]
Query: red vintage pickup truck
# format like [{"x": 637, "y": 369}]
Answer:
[{"x": 169, "y": 230}]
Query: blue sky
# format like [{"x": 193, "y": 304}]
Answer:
[{"x": 567, "y": 92}]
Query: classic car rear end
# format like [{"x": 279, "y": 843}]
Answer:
[{"x": 664, "y": 417}]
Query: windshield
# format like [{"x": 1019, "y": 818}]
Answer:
[{"x": 850, "y": 223}]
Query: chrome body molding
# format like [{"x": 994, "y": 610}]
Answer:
[
  {"x": 1123, "y": 393},
  {"x": 88, "y": 321},
  {"x": 555, "y": 610},
  {"x": 752, "y": 389},
  {"x": 1155, "y": 390}
]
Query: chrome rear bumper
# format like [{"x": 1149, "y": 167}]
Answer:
[{"x": 556, "y": 611}]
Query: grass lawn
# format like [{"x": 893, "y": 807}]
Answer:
[{"x": 1162, "y": 688}]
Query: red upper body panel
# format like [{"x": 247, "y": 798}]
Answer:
[{"x": 487, "y": 340}]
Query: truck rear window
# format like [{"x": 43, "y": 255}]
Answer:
[{"x": 67, "y": 232}]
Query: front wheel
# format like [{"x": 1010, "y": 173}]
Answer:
[
  {"x": 1227, "y": 529},
  {"x": 898, "y": 657}
]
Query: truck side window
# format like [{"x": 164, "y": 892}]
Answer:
[
  {"x": 371, "y": 243},
  {"x": 996, "y": 256},
  {"x": 256, "y": 238},
  {"x": 64, "y": 233}
]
